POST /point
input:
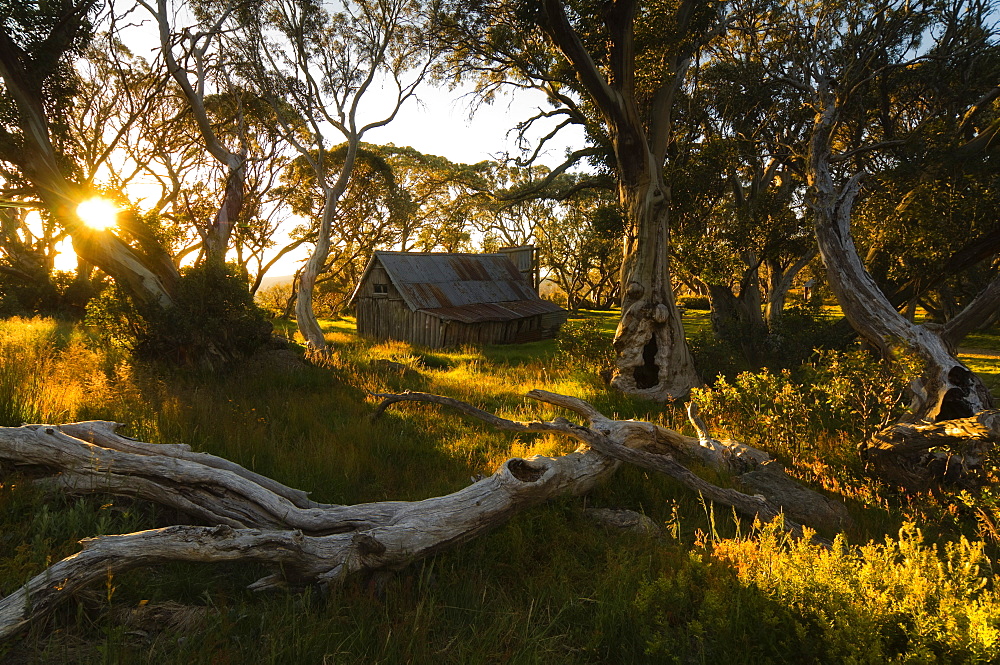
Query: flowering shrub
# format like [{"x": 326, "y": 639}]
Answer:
[{"x": 771, "y": 599}]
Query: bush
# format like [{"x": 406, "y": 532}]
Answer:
[
  {"x": 213, "y": 319},
  {"x": 849, "y": 392},
  {"x": 274, "y": 298},
  {"x": 694, "y": 302},
  {"x": 582, "y": 343},
  {"x": 770, "y": 599},
  {"x": 800, "y": 331},
  {"x": 715, "y": 356}
]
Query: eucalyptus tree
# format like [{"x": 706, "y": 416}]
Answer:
[
  {"x": 27, "y": 255},
  {"x": 872, "y": 74},
  {"x": 746, "y": 125},
  {"x": 38, "y": 45},
  {"x": 443, "y": 198},
  {"x": 373, "y": 212},
  {"x": 194, "y": 57},
  {"x": 324, "y": 63},
  {"x": 579, "y": 249},
  {"x": 617, "y": 69},
  {"x": 508, "y": 218}
]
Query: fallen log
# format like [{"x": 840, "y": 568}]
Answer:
[
  {"x": 630, "y": 440},
  {"x": 927, "y": 455},
  {"x": 254, "y": 518}
]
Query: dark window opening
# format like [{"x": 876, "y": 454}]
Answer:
[
  {"x": 647, "y": 375},
  {"x": 381, "y": 289}
]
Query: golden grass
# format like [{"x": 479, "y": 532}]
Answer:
[{"x": 549, "y": 587}]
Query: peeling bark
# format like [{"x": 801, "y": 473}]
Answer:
[
  {"x": 257, "y": 519},
  {"x": 653, "y": 359}
]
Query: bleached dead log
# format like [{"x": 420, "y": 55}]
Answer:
[
  {"x": 105, "y": 433},
  {"x": 920, "y": 456},
  {"x": 260, "y": 520},
  {"x": 388, "y": 535},
  {"x": 189, "y": 482},
  {"x": 628, "y": 440},
  {"x": 765, "y": 476}
]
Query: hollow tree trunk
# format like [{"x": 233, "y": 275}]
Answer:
[
  {"x": 947, "y": 388},
  {"x": 653, "y": 359}
]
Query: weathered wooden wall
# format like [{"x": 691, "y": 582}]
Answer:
[{"x": 386, "y": 316}]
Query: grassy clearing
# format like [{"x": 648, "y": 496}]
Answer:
[
  {"x": 549, "y": 587},
  {"x": 981, "y": 352}
]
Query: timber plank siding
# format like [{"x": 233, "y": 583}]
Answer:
[{"x": 449, "y": 299}]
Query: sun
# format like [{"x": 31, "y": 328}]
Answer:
[{"x": 98, "y": 213}]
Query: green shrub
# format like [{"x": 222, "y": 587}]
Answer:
[
  {"x": 694, "y": 302},
  {"x": 839, "y": 391},
  {"x": 213, "y": 319},
  {"x": 769, "y": 599},
  {"x": 800, "y": 330},
  {"x": 715, "y": 356},
  {"x": 582, "y": 343}
]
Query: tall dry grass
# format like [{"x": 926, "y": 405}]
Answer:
[{"x": 549, "y": 587}]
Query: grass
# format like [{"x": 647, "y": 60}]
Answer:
[
  {"x": 549, "y": 587},
  {"x": 981, "y": 353}
]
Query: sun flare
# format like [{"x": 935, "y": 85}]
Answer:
[{"x": 98, "y": 213}]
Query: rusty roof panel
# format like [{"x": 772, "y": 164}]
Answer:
[
  {"x": 438, "y": 280},
  {"x": 500, "y": 311},
  {"x": 532, "y": 307}
]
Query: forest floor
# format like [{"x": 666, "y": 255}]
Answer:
[{"x": 551, "y": 586}]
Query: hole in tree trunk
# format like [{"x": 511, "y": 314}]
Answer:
[
  {"x": 956, "y": 401},
  {"x": 523, "y": 471},
  {"x": 647, "y": 375}
]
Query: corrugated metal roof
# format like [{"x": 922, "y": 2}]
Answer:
[
  {"x": 505, "y": 311},
  {"x": 432, "y": 281}
]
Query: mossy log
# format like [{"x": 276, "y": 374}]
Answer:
[{"x": 253, "y": 518}]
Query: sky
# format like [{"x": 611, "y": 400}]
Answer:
[{"x": 440, "y": 124}]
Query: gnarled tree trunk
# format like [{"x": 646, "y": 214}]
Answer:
[
  {"x": 921, "y": 456},
  {"x": 947, "y": 388},
  {"x": 653, "y": 359}
]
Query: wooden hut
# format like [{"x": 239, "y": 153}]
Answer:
[{"x": 438, "y": 299}]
